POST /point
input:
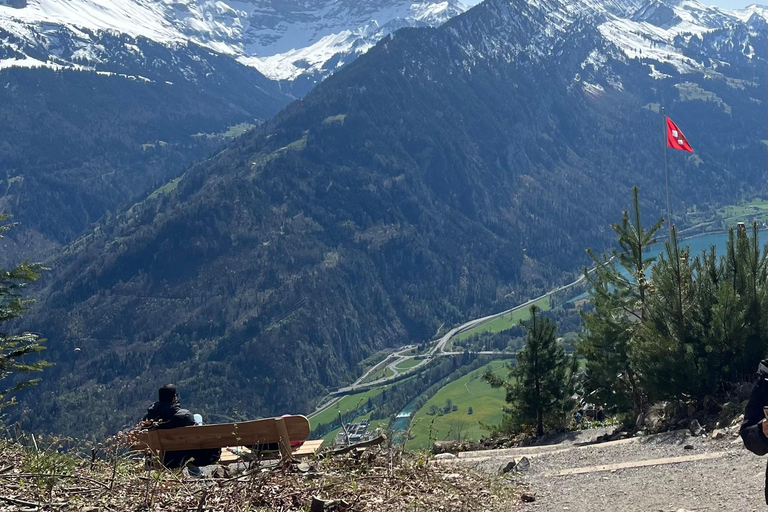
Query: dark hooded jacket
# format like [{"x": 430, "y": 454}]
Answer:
[
  {"x": 751, "y": 430},
  {"x": 168, "y": 415}
]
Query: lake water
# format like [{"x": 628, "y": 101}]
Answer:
[
  {"x": 704, "y": 242},
  {"x": 698, "y": 244}
]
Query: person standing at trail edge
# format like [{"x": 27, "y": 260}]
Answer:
[
  {"x": 167, "y": 413},
  {"x": 754, "y": 429}
]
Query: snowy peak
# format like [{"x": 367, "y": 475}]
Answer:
[
  {"x": 334, "y": 32},
  {"x": 282, "y": 39},
  {"x": 303, "y": 41},
  {"x": 665, "y": 30},
  {"x": 657, "y": 13},
  {"x": 602, "y": 42}
]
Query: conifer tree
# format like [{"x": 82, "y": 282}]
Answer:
[
  {"x": 620, "y": 303},
  {"x": 15, "y": 347},
  {"x": 750, "y": 279},
  {"x": 541, "y": 383},
  {"x": 705, "y": 327},
  {"x": 664, "y": 348}
]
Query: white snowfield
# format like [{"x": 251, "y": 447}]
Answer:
[
  {"x": 638, "y": 38},
  {"x": 283, "y": 40},
  {"x": 288, "y": 39},
  {"x": 659, "y": 33}
]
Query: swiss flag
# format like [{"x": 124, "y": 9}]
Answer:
[{"x": 675, "y": 138}]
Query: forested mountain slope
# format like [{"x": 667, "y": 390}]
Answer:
[
  {"x": 446, "y": 172},
  {"x": 76, "y": 143},
  {"x": 101, "y": 101}
]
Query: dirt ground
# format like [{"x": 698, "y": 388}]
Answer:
[{"x": 649, "y": 474}]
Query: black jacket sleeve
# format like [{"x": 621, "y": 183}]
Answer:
[{"x": 751, "y": 430}]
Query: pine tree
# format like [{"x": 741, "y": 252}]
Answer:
[
  {"x": 541, "y": 383},
  {"x": 620, "y": 303},
  {"x": 705, "y": 327},
  {"x": 15, "y": 347},
  {"x": 665, "y": 347},
  {"x": 750, "y": 270}
]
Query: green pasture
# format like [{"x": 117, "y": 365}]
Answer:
[
  {"x": 407, "y": 364},
  {"x": 690, "y": 91},
  {"x": 231, "y": 132},
  {"x": 468, "y": 391},
  {"x": 167, "y": 188},
  {"x": 237, "y": 130},
  {"x": 744, "y": 211},
  {"x": 507, "y": 321}
]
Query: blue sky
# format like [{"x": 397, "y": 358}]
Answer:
[{"x": 731, "y": 4}]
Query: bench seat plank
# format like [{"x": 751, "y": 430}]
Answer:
[
  {"x": 308, "y": 449},
  {"x": 222, "y": 435},
  {"x": 233, "y": 454}
]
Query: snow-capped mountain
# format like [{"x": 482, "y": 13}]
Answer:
[
  {"x": 284, "y": 40},
  {"x": 665, "y": 36},
  {"x": 304, "y": 41},
  {"x": 485, "y": 154}
]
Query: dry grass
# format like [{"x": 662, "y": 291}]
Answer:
[{"x": 381, "y": 479}]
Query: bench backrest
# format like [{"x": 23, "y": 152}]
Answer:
[{"x": 270, "y": 430}]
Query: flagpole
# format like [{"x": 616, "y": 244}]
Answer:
[{"x": 666, "y": 172}]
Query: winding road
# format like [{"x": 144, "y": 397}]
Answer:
[{"x": 438, "y": 350}]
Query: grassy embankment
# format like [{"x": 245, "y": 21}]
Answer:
[
  {"x": 468, "y": 391},
  {"x": 507, "y": 321},
  {"x": 381, "y": 373}
]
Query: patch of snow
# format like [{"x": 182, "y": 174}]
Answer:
[
  {"x": 642, "y": 40},
  {"x": 282, "y": 39},
  {"x": 656, "y": 74},
  {"x": 292, "y": 64},
  {"x": 593, "y": 89},
  {"x": 27, "y": 62}
]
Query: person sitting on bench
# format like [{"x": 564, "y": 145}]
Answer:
[{"x": 167, "y": 413}]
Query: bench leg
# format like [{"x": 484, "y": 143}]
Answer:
[
  {"x": 285, "y": 441},
  {"x": 158, "y": 461}
]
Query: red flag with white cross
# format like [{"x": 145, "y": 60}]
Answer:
[{"x": 675, "y": 138}]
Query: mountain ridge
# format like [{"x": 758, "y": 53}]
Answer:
[
  {"x": 264, "y": 275},
  {"x": 284, "y": 41}
]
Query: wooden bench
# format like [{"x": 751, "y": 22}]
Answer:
[{"x": 280, "y": 431}]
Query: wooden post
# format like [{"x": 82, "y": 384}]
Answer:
[
  {"x": 285, "y": 440},
  {"x": 156, "y": 449}
]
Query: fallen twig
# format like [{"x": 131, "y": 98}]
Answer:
[
  {"x": 202, "y": 501},
  {"x": 26, "y": 503},
  {"x": 49, "y": 475}
]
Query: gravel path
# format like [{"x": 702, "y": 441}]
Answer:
[{"x": 732, "y": 481}]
